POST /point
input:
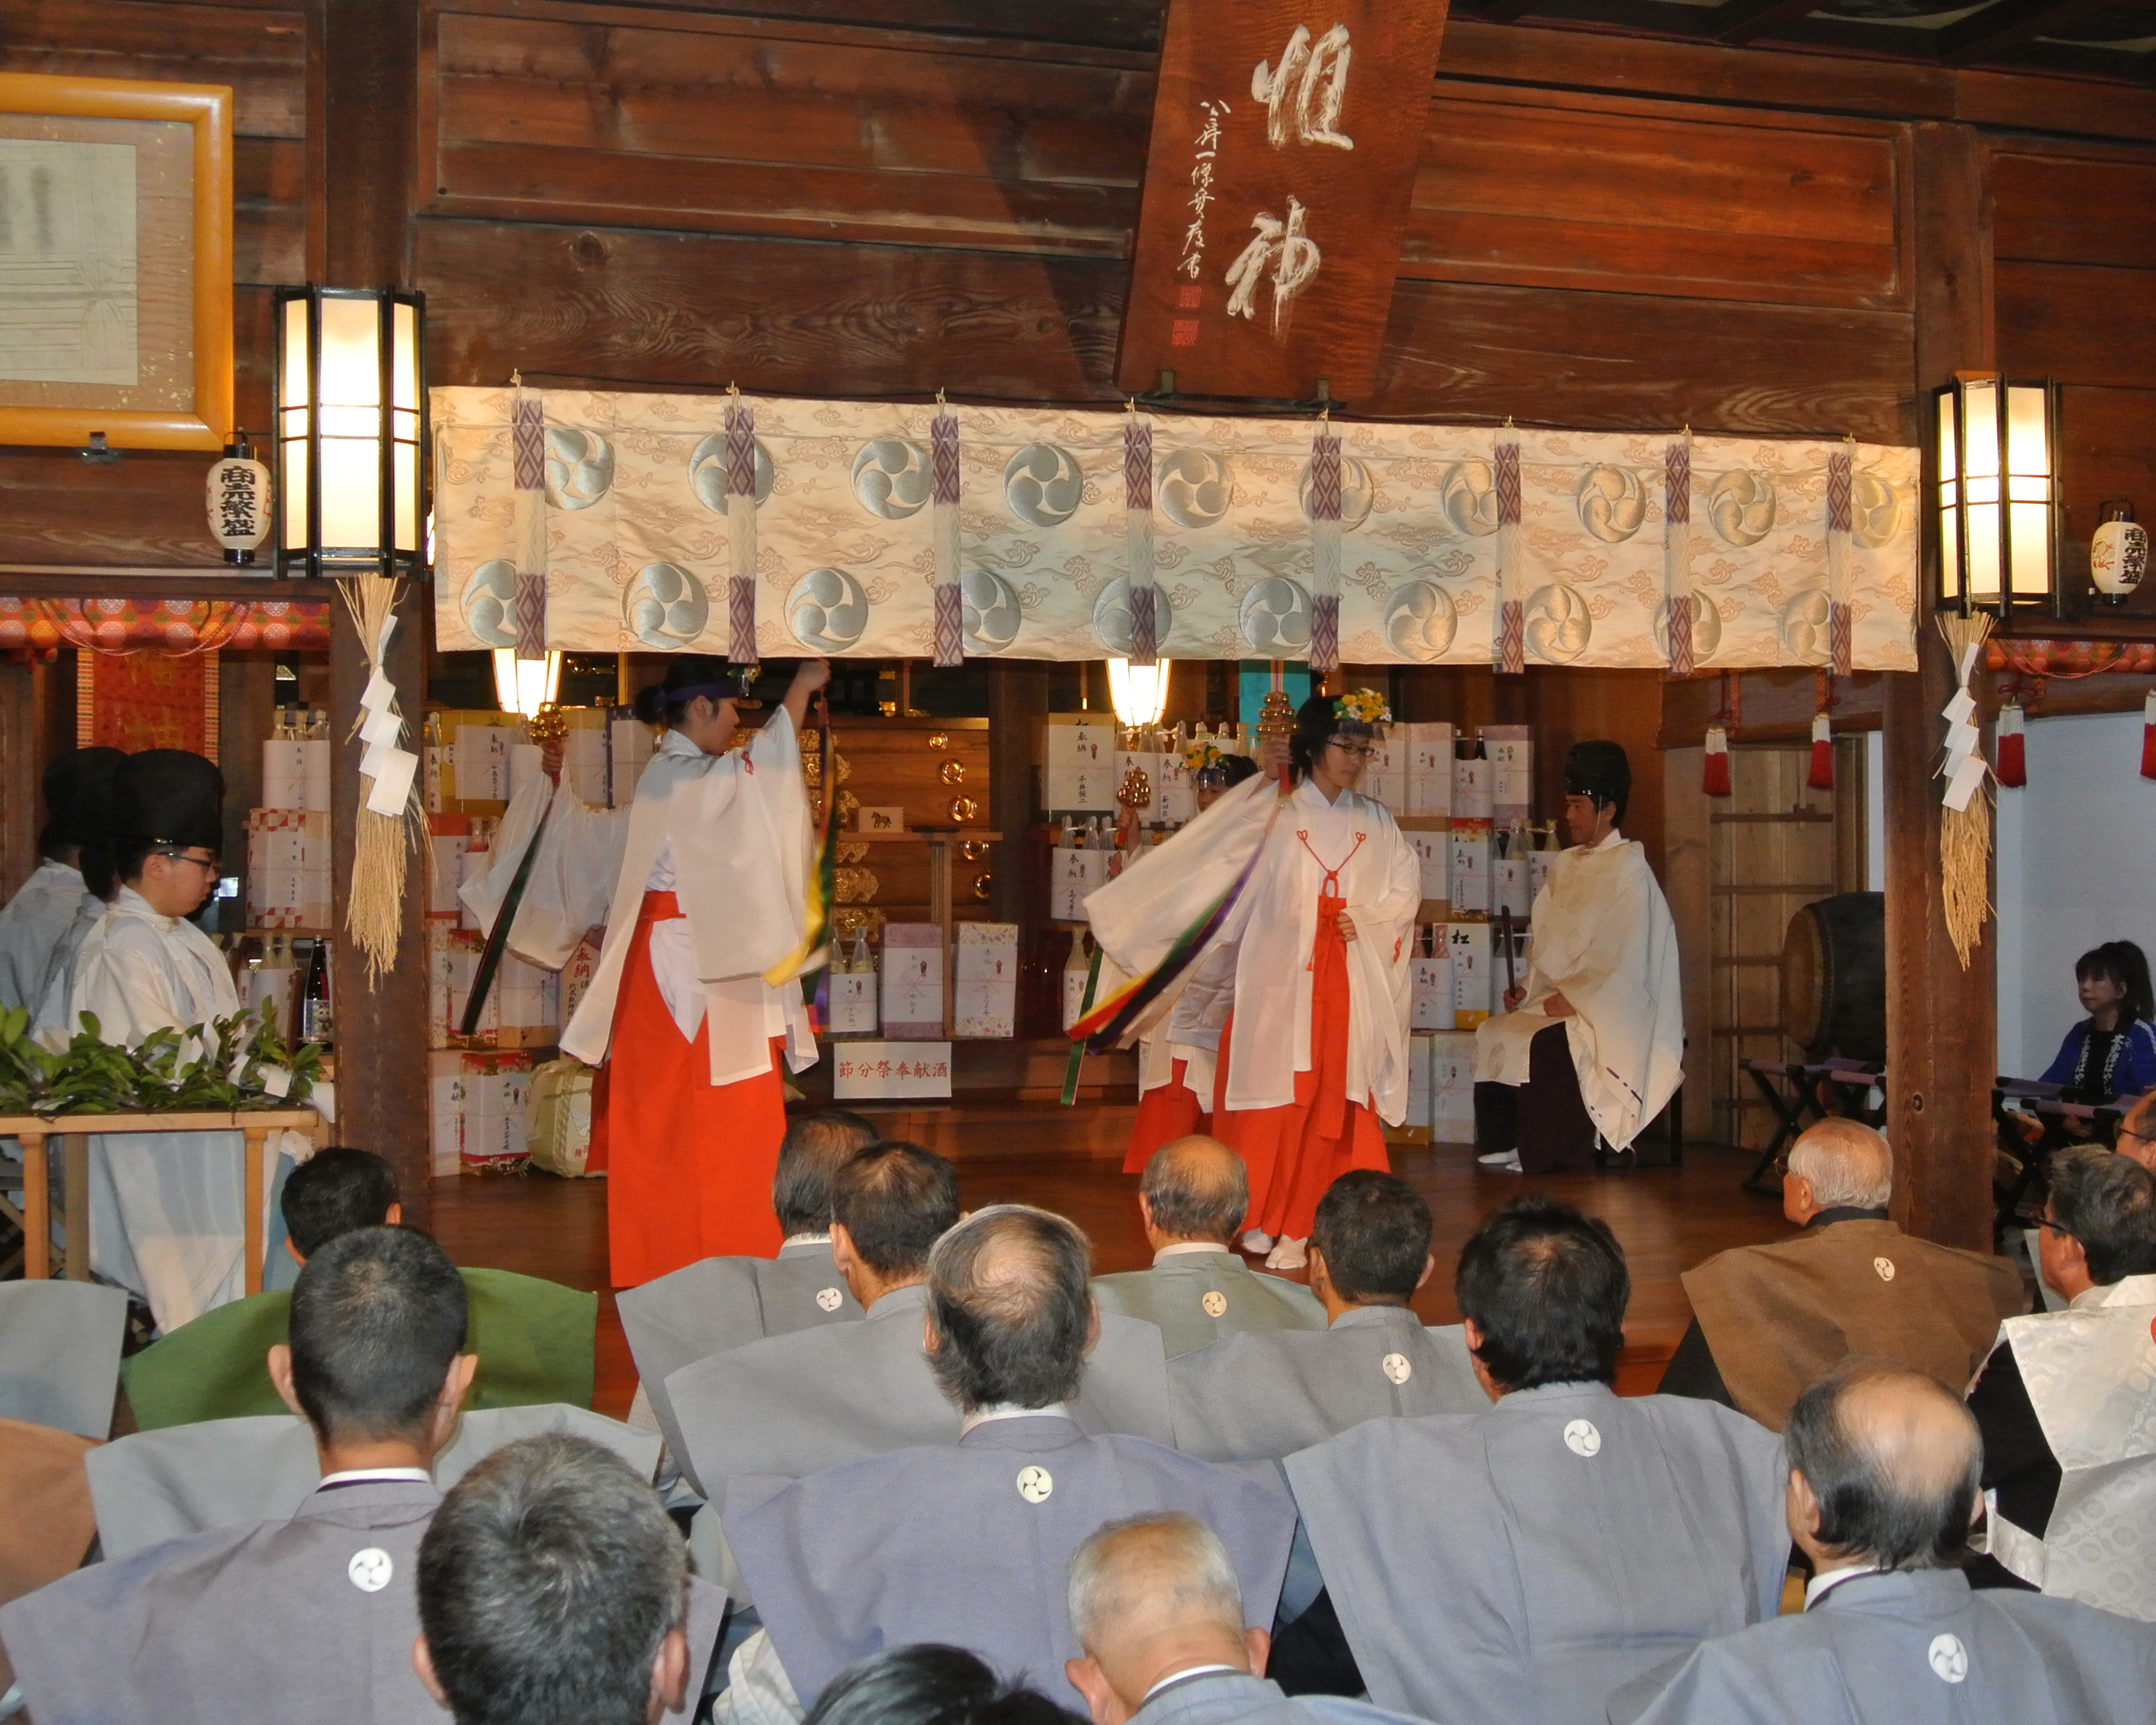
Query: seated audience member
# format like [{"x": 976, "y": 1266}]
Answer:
[
  {"x": 1155, "y": 1603},
  {"x": 1517, "y": 1565},
  {"x": 969, "y": 1542},
  {"x": 706, "y": 1307},
  {"x": 797, "y": 1404},
  {"x": 309, "y": 1619},
  {"x": 552, "y": 1587},
  {"x": 1882, "y": 1483},
  {"x": 2113, "y": 1051},
  {"x": 924, "y": 1684},
  {"x": 2137, "y": 1133},
  {"x": 1768, "y": 1320},
  {"x": 1191, "y": 1199},
  {"x": 1273, "y": 1393},
  {"x": 2066, "y": 1403},
  {"x": 534, "y": 1338}
]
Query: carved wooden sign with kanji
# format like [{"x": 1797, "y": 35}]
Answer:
[{"x": 1285, "y": 135}]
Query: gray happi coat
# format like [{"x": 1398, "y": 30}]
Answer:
[
  {"x": 1199, "y": 1297},
  {"x": 1237, "y": 1698},
  {"x": 1913, "y": 1648},
  {"x": 1517, "y": 1565},
  {"x": 715, "y": 1304},
  {"x": 967, "y": 1543},
  {"x": 795, "y": 1405},
  {"x": 1268, "y": 1394},
  {"x": 311, "y": 1618},
  {"x": 228, "y": 1473}
]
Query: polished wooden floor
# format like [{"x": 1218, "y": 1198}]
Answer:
[{"x": 1069, "y": 1159}]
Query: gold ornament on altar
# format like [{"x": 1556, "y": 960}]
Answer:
[
  {"x": 983, "y": 886},
  {"x": 973, "y": 850},
  {"x": 549, "y": 723},
  {"x": 963, "y": 809},
  {"x": 854, "y": 885},
  {"x": 952, "y": 772},
  {"x": 1135, "y": 791}
]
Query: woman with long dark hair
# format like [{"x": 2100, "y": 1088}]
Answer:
[{"x": 2113, "y": 1051}]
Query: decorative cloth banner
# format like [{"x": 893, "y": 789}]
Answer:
[
  {"x": 740, "y": 525},
  {"x": 894, "y": 530},
  {"x": 1840, "y": 484},
  {"x": 528, "y": 440},
  {"x": 951, "y": 596},
  {"x": 1512, "y": 626},
  {"x": 1137, "y": 530},
  {"x": 147, "y": 701},
  {"x": 1324, "y": 549},
  {"x": 134, "y": 626},
  {"x": 1677, "y": 552}
]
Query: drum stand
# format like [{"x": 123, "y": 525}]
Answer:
[{"x": 1801, "y": 1106}]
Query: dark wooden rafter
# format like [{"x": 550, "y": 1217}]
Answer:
[
  {"x": 1505, "y": 11},
  {"x": 1739, "y": 21},
  {"x": 2001, "y": 26}
]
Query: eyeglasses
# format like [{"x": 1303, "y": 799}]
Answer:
[
  {"x": 1353, "y": 751},
  {"x": 2063, "y": 1233},
  {"x": 179, "y": 854}
]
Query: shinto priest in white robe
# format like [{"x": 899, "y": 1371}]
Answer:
[{"x": 1603, "y": 938}]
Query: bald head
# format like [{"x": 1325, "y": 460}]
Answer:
[
  {"x": 1845, "y": 1165},
  {"x": 1151, "y": 1597},
  {"x": 1010, "y": 1309},
  {"x": 1194, "y": 1188},
  {"x": 1890, "y": 1461}
]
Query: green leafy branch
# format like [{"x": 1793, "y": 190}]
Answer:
[{"x": 224, "y": 1067}]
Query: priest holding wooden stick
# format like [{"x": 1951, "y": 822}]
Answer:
[{"x": 1592, "y": 1043}]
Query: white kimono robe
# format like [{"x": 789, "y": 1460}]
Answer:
[
  {"x": 1603, "y": 938},
  {"x": 1192, "y": 1031},
  {"x": 729, "y": 835},
  {"x": 165, "y": 1215},
  {"x": 1274, "y": 927},
  {"x": 33, "y": 931}
]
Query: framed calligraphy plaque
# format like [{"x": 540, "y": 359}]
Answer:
[
  {"x": 1284, "y": 142},
  {"x": 116, "y": 262}
]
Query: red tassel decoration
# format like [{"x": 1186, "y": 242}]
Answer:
[
  {"x": 1821, "y": 776},
  {"x": 2012, "y": 749},
  {"x": 2148, "y": 738},
  {"x": 1715, "y": 779}
]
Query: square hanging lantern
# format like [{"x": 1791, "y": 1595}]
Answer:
[
  {"x": 1137, "y": 692},
  {"x": 1997, "y": 483},
  {"x": 523, "y": 685},
  {"x": 351, "y": 432}
]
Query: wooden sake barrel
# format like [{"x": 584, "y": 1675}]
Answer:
[{"x": 1833, "y": 977}]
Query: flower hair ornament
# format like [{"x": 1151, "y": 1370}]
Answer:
[
  {"x": 1199, "y": 755},
  {"x": 1363, "y": 705}
]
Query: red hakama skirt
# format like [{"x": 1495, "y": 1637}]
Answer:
[
  {"x": 1294, "y": 1152},
  {"x": 689, "y": 1163},
  {"x": 1166, "y": 1113}
]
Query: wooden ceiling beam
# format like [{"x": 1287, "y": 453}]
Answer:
[
  {"x": 1505, "y": 11},
  {"x": 1737, "y": 21},
  {"x": 2001, "y": 26}
]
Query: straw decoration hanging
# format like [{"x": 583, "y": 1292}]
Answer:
[
  {"x": 1965, "y": 833},
  {"x": 381, "y": 844}
]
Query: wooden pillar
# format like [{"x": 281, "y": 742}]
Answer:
[
  {"x": 1018, "y": 701},
  {"x": 1941, "y": 1019},
  {"x": 370, "y": 73}
]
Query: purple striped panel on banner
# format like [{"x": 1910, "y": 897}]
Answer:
[
  {"x": 1511, "y": 638},
  {"x": 1508, "y": 486},
  {"x": 1676, "y": 480},
  {"x": 740, "y": 450},
  {"x": 1145, "y": 625},
  {"x": 1680, "y": 606},
  {"x": 1137, "y": 464},
  {"x": 950, "y": 625},
  {"x": 741, "y": 620},
  {"x": 527, "y": 438},
  {"x": 943, "y": 458},
  {"x": 1324, "y": 478},
  {"x": 1324, "y": 634},
  {"x": 1839, "y": 480},
  {"x": 1840, "y": 638},
  {"x": 530, "y": 615}
]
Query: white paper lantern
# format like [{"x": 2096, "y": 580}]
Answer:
[{"x": 238, "y": 500}]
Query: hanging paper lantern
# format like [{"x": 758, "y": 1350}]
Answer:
[
  {"x": 2118, "y": 554},
  {"x": 2013, "y": 747},
  {"x": 239, "y": 501},
  {"x": 1715, "y": 779},
  {"x": 1821, "y": 775}
]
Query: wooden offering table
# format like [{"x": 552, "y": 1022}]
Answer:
[{"x": 73, "y": 1130}]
